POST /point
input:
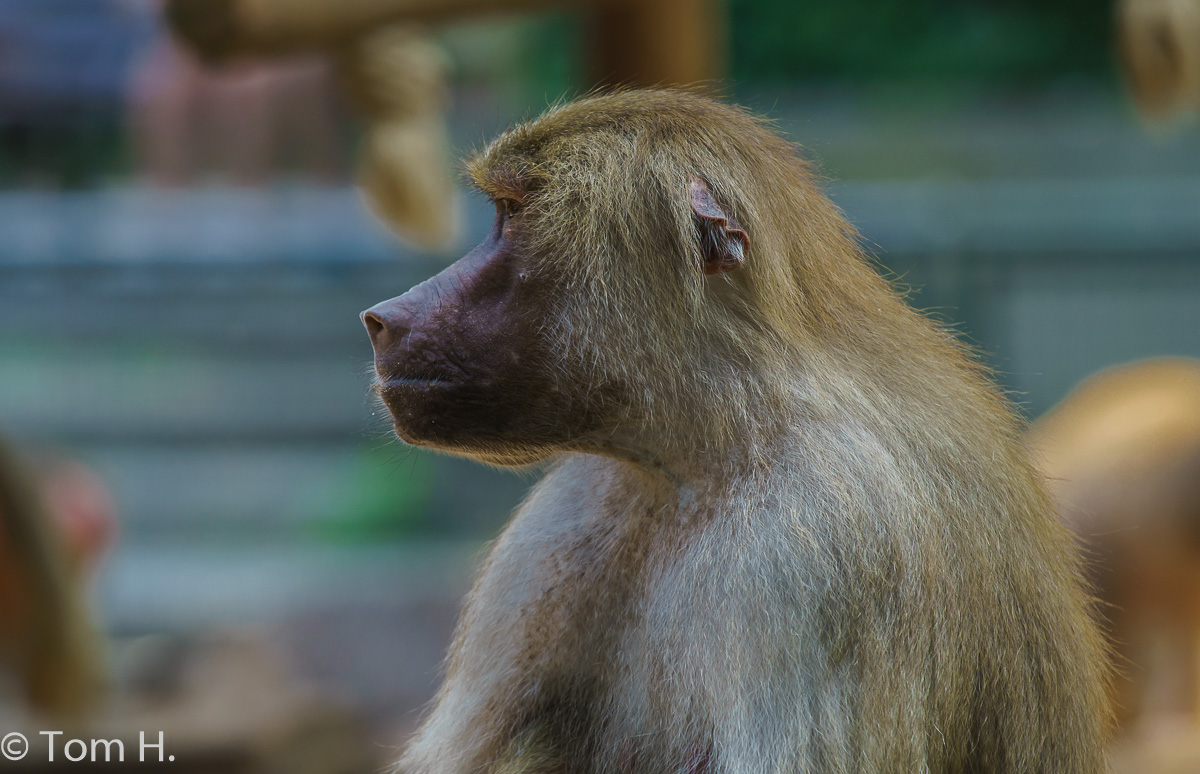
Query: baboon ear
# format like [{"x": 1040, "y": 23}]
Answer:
[{"x": 722, "y": 241}]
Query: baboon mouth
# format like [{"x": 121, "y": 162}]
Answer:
[{"x": 411, "y": 382}]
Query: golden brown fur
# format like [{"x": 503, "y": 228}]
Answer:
[
  {"x": 1122, "y": 456},
  {"x": 797, "y": 533},
  {"x": 1159, "y": 44},
  {"x": 46, "y": 633}
]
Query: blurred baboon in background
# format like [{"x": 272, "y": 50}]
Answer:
[
  {"x": 1159, "y": 42},
  {"x": 51, "y": 525},
  {"x": 1122, "y": 458}
]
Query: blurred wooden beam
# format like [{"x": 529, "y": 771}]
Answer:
[
  {"x": 219, "y": 29},
  {"x": 646, "y": 42}
]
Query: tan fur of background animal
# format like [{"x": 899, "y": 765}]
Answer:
[
  {"x": 1122, "y": 457},
  {"x": 787, "y": 524},
  {"x": 49, "y": 638},
  {"x": 1159, "y": 42}
]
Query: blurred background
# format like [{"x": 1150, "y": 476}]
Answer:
[{"x": 184, "y": 254}]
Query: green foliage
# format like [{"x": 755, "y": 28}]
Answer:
[
  {"x": 1013, "y": 42},
  {"x": 526, "y": 56},
  {"x": 987, "y": 42},
  {"x": 383, "y": 494},
  {"x": 79, "y": 155},
  {"x": 557, "y": 68}
]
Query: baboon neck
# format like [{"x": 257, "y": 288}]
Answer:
[{"x": 704, "y": 442}]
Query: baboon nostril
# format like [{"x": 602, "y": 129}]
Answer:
[
  {"x": 375, "y": 327},
  {"x": 387, "y": 323}
]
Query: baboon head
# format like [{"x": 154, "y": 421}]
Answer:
[{"x": 623, "y": 284}]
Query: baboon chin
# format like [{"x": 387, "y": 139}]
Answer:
[{"x": 788, "y": 527}]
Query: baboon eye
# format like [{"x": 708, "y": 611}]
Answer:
[{"x": 510, "y": 206}]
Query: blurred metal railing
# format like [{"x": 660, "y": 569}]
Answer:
[
  {"x": 225, "y": 315},
  {"x": 203, "y": 350}
]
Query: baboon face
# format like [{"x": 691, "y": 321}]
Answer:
[
  {"x": 460, "y": 359},
  {"x": 535, "y": 342}
]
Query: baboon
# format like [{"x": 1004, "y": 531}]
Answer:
[
  {"x": 46, "y": 633},
  {"x": 787, "y": 525},
  {"x": 1159, "y": 46},
  {"x": 1121, "y": 454}
]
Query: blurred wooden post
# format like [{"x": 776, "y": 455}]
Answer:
[{"x": 657, "y": 42}]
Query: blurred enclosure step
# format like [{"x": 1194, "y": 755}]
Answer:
[{"x": 370, "y": 621}]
